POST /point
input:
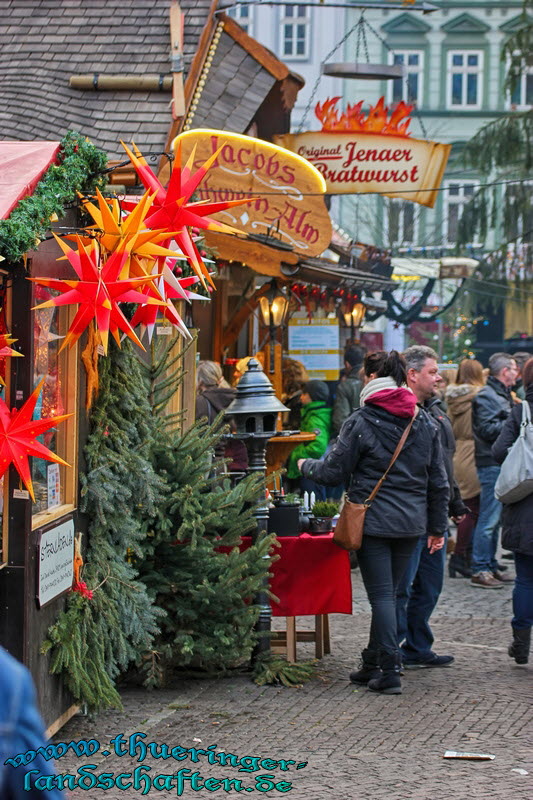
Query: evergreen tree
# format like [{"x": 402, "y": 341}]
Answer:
[
  {"x": 503, "y": 151},
  {"x": 97, "y": 638},
  {"x": 193, "y": 567}
]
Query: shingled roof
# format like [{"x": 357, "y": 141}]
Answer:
[{"x": 45, "y": 42}]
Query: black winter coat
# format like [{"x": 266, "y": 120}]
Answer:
[
  {"x": 517, "y": 518},
  {"x": 413, "y": 499},
  {"x": 447, "y": 440},
  {"x": 490, "y": 408}
]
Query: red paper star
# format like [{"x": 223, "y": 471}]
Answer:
[
  {"x": 174, "y": 212},
  {"x": 17, "y": 438},
  {"x": 97, "y": 293}
]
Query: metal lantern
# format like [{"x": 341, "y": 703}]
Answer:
[
  {"x": 254, "y": 412},
  {"x": 255, "y": 408},
  {"x": 358, "y": 314},
  {"x": 274, "y": 306}
]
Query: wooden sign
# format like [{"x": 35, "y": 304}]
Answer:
[
  {"x": 286, "y": 191},
  {"x": 374, "y": 163}
]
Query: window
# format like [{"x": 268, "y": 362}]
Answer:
[
  {"x": 457, "y": 196},
  {"x": 295, "y": 32},
  {"x": 522, "y": 96},
  {"x": 464, "y": 79},
  {"x": 402, "y": 223},
  {"x": 53, "y": 484},
  {"x": 244, "y": 16},
  {"x": 410, "y": 87}
]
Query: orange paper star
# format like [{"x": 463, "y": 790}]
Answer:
[
  {"x": 97, "y": 293},
  {"x": 129, "y": 233},
  {"x": 17, "y": 438},
  {"x": 173, "y": 211}
]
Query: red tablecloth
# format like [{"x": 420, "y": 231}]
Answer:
[{"x": 311, "y": 576}]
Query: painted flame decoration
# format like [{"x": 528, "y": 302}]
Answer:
[{"x": 354, "y": 119}]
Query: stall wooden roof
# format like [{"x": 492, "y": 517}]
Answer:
[{"x": 46, "y": 42}]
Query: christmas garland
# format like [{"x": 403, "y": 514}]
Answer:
[{"x": 79, "y": 167}]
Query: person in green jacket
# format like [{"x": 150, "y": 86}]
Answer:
[{"x": 316, "y": 418}]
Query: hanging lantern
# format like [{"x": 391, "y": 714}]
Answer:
[
  {"x": 274, "y": 306},
  {"x": 358, "y": 314}
]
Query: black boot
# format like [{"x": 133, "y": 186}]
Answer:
[
  {"x": 459, "y": 564},
  {"x": 368, "y": 668},
  {"x": 389, "y": 682},
  {"x": 519, "y": 647}
]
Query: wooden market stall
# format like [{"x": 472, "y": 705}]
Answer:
[{"x": 38, "y": 535}]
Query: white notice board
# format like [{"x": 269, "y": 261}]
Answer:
[
  {"x": 55, "y": 558},
  {"x": 315, "y": 343}
]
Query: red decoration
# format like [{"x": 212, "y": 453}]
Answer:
[
  {"x": 17, "y": 438},
  {"x": 98, "y": 293},
  {"x": 174, "y": 212},
  {"x": 354, "y": 119},
  {"x": 82, "y": 588}
]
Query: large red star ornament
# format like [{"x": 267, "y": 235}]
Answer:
[
  {"x": 173, "y": 211},
  {"x": 17, "y": 438},
  {"x": 97, "y": 293}
]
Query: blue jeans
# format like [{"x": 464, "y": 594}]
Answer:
[
  {"x": 418, "y": 594},
  {"x": 485, "y": 534},
  {"x": 523, "y": 592},
  {"x": 383, "y": 561}
]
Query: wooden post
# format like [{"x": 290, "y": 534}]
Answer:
[{"x": 176, "y": 58}]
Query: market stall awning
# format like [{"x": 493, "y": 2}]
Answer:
[{"x": 22, "y": 165}]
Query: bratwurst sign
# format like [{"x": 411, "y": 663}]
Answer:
[
  {"x": 369, "y": 153},
  {"x": 362, "y": 163}
]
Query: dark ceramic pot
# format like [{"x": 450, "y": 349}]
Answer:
[{"x": 320, "y": 524}]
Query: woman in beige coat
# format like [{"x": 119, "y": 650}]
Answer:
[{"x": 459, "y": 395}]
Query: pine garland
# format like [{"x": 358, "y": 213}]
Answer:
[{"x": 80, "y": 166}]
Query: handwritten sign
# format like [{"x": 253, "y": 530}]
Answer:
[
  {"x": 55, "y": 555},
  {"x": 360, "y": 162},
  {"x": 287, "y": 192}
]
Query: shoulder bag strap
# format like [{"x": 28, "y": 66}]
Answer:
[
  {"x": 396, "y": 453},
  {"x": 526, "y": 417}
]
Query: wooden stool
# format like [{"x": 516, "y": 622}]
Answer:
[{"x": 285, "y": 641}]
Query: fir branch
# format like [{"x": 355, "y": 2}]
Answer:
[{"x": 79, "y": 167}]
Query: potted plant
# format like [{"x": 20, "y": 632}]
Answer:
[{"x": 323, "y": 512}]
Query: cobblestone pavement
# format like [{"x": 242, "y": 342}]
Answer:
[{"x": 357, "y": 745}]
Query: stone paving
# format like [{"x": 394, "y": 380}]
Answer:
[{"x": 358, "y": 745}]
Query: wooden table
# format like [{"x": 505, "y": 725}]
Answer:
[
  {"x": 311, "y": 578},
  {"x": 280, "y": 447}
]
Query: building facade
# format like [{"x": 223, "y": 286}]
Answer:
[{"x": 454, "y": 78}]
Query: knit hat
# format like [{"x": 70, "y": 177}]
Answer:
[{"x": 317, "y": 390}]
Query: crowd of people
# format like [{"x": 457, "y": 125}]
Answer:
[{"x": 462, "y": 423}]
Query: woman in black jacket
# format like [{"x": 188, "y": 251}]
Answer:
[
  {"x": 517, "y": 531},
  {"x": 412, "y": 500}
]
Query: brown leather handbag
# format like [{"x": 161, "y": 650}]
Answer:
[{"x": 349, "y": 529}]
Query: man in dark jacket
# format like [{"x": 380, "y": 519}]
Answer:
[
  {"x": 420, "y": 588},
  {"x": 348, "y": 390},
  {"x": 490, "y": 408}
]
